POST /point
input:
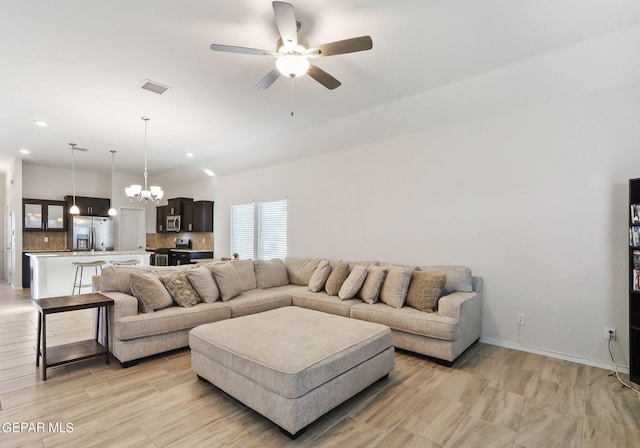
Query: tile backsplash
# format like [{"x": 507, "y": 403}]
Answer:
[
  {"x": 199, "y": 240},
  {"x": 35, "y": 240}
]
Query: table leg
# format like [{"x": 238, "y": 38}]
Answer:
[
  {"x": 44, "y": 347},
  {"x": 98, "y": 324},
  {"x": 39, "y": 336},
  {"x": 106, "y": 333}
]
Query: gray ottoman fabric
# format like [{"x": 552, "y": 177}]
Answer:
[{"x": 290, "y": 355}]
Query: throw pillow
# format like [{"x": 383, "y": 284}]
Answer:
[
  {"x": 300, "y": 271},
  {"x": 202, "y": 281},
  {"x": 353, "y": 283},
  {"x": 227, "y": 279},
  {"x": 339, "y": 273},
  {"x": 180, "y": 289},
  {"x": 424, "y": 290},
  {"x": 118, "y": 278},
  {"x": 458, "y": 277},
  {"x": 246, "y": 274},
  {"x": 371, "y": 288},
  {"x": 395, "y": 286},
  {"x": 270, "y": 273},
  {"x": 320, "y": 276},
  {"x": 150, "y": 292}
]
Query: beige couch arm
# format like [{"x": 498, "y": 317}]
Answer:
[
  {"x": 454, "y": 304},
  {"x": 124, "y": 304}
]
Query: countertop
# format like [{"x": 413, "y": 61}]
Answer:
[
  {"x": 192, "y": 250},
  {"x": 86, "y": 253}
]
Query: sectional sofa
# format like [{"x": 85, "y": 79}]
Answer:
[{"x": 431, "y": 310}]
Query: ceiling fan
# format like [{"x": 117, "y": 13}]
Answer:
[{"x": 293, "y": 52}]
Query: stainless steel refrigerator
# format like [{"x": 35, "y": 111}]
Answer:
[{"x": 91, "y": 233}]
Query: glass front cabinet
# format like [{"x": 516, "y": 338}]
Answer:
[{"x": 43, "y": 215}]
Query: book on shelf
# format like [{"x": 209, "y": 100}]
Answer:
[
  {"x": 634, "y": 236},
  {"x": 635, "y": 213},
  {"x": 636, "y": 279}
]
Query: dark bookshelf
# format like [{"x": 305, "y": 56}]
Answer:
[{"x": 634, "y": 280}]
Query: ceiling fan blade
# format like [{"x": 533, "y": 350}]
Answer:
[
  {"x": 241, "y": 50},
  {"x": 352, "y": 45},
  {"x": 286, "y": 21},
  {"x": 269, "y": 79},
  {"x": 323, "y": 77}
]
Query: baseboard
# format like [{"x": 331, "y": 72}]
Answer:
[{"x": 557, "y": 355}]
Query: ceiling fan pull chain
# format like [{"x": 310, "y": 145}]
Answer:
[{"x": 292, "y": 96}]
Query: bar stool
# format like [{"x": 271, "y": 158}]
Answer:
[
  {"x": 77, "y": 282},
  {"x": 125, "y": 262}
]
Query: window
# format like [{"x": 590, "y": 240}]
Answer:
[{"x": 259, "y": 228}]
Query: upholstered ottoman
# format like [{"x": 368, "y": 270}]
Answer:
[{"x": 291, "y": 365}]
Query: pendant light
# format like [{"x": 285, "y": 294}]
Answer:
[
  {"x": 135, "y": 193},
  {"x": 74, "y": 210},
  {"x": 112, "y": 211}
]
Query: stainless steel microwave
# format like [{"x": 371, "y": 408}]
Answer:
[{"x": 173, "y": 223}]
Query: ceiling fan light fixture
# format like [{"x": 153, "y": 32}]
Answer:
[{"x": 292, "y": 65}]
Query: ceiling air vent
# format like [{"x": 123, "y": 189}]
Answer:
[{"x": 154, "y": 87}]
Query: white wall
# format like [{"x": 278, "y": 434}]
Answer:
[{"x": 534, "y": 201}]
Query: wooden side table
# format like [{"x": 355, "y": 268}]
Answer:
[{"x": 75, "y": 351}]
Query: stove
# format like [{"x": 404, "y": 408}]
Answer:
[{"x": 183, "y": 244}]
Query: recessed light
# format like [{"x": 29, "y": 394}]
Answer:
[
  {"x": 42, "y": 124},
  {"x": 189, "y": 154},
  {"x": 209, "y": 172},
  {"x": 24, "y": 151}
]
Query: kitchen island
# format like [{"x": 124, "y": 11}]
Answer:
[{"x": 52, "y": 273}]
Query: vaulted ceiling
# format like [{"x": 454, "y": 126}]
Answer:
[{"x": 78, "y": 65}]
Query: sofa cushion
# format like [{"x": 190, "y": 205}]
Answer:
[
  {"x": 202, "y": 281},
  {"x": 180, "y": 289},
  {"x": 339, "y": 273},
  {"x": 353, "y": 283},
  {"x": 246, "y": 274},
  {"x": 118, "y": 278},
  {"x": 458, "y": 277},
  {"x": 370, "y": 290},
  {"x": 408, "y": 319},
  {"x": 227, "y": 279},
  {"x": 395, "y": 286},
  {"x": 320, "y": 276},
  {"x": 321, "y": 301},
  {"x": 150, "y": 292},
  {"x": 299, "y": 270},
  {"x": 270, "y": 273},
  {"x": 256, "y": 301},
  {"x": 168, "y": 320},
  {"x": 424, "y": 290}
]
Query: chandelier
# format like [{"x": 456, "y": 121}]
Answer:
[{"x": 135, "y": 193}]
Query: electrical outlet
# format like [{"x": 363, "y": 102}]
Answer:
[
  {"x": 610, "y": 332},
  {"x": 46, "y": 239},
  {"x": 520, "y": 318}
]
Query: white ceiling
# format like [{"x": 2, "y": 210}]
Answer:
[{"x": 79, "y": 65}]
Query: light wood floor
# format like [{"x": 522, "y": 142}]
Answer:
[{"x": 493, "y": 397}]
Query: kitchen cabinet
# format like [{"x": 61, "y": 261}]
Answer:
[
  {"x": 90, "y": 206},
  {"x": 186, "y": 218},
  {"x": 40, "y": 214},
  {"x": 161, "y": 218},
  {"x": 201, "y": 217},
  {"x": 176, "y": 204}
]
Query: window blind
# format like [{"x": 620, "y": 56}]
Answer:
[
  {"x": 272, "y": 229},
  {"x": 242, "y": 230}
]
